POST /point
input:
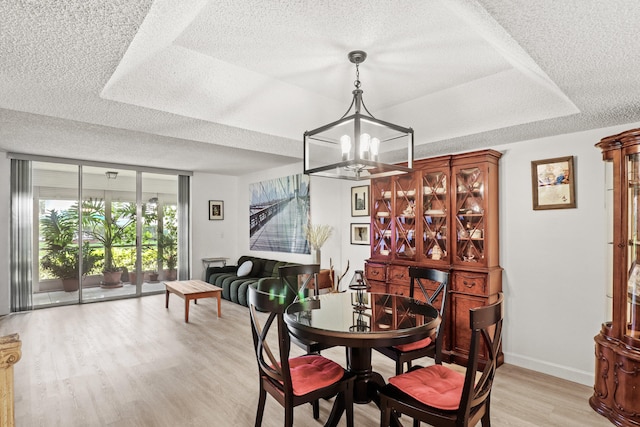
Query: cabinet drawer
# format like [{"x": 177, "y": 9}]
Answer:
[
  {"x": 399, "y": 274},
  {"x": 375, "y": 272},
  {"x": 469, "y": 283},
  {"x": 377, "y": 287}
]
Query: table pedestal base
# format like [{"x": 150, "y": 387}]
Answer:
[{"x": 367, "y": 382}]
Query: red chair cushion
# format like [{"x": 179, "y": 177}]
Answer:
[
  {"x": 435, "y": 385},
  {"x": 312, "y": 372},
  {"x": 414, "y": 345}
]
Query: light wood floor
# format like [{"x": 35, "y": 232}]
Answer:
[{"x": 135, "y": 363}]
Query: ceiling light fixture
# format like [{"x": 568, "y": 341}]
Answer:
[
  {"x": 111, "y": 174},
  {"x": 358, "y": 146}
]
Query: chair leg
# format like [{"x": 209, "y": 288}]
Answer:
[
  {"x": 288, "y": 416},
  {"x": 348, "y": 403},
  {"x": 316, "y": 409},
  {"x": 486, "y": 419},
  {"x": 385, "y": 414},
  {"x": 416, "y": 423},
  {"x": 261, "y": 402}
]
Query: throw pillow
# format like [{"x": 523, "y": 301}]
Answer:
[{"x": 244, "y": 269}]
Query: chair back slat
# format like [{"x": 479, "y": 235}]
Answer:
[
  {"x": 418, "y": 274},
  {"x": 273, "y": 364},
  {"x": 290, "y": 274},
  {"x": 435, "y": 298},
  {"x": 486, "y": 330}
]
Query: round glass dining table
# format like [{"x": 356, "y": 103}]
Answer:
[{"x": 361, "y": 321}]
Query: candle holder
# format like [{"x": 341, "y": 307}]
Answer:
[{"x": 360, "y": 285}]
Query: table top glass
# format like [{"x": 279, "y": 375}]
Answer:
[{"x": 362, "y": 319}]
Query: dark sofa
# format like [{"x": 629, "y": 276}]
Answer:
[{"x": 234, "y": 288}]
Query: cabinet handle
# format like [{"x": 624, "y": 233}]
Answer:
[{"x": 468, "y": 285}]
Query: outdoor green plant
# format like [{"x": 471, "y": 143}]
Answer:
[
  {"x": 168, "y": 245},
  {"x": 61, "y": 257},
  {"x": 109, "y": 230}
]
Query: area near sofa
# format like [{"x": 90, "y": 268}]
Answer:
[{"x": 235, "y": 279}]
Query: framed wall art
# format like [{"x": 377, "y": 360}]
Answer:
[
  {"x": 360, "y": 234},
  {"x": 216, "y": 209},
  {"x": 270, "y": 231},
  {"x": 360, "y": 201},
  {"x": 553, "y": 183}
]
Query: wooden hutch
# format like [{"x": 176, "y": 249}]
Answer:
[
  {"x": 616, "y": 392},
  {"x": 443, "y": 215}
]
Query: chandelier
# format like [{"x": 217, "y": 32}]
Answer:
[{"x": 358, "y": 146}]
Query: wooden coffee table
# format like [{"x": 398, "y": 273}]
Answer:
[{"x": 192, "y": 290}]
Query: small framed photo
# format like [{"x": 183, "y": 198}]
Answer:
[
  {"x": 216, "y": 209},
  {"x": 360, "y": 201},
  {"x": 360, "y": 299},
  {"x": 360, "y": 234},
  {"x": 553, "y": 183}
]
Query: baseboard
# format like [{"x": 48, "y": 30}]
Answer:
[{"x": 564, "y": 372}]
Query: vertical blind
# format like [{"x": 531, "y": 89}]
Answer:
[
  {"x": 21, "y": 236},
  {"x": 184, "y": 252}
]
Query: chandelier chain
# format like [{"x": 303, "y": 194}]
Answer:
[{"x": 357, "y": 82}]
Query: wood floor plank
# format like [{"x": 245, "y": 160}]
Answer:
[{"x": 133, "y": 363}]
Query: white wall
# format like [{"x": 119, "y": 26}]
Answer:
[
  {"x": 554, "y": 260},
  {"x": 216, "y": 238}
]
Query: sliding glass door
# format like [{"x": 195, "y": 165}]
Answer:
[
  {"x": 160, "y": 230},
  {"x": 109, "y": 221},
  {"x": 120, "y": 240}
]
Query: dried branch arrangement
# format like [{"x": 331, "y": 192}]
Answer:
[
  {"x": 317, "y": 235},
  {"x": 335, "y": 287}
]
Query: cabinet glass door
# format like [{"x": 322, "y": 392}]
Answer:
[
  {"x": 405, "y": 215},
  {"x": 434, "y": 215},
  {"x": 381, "y": 214},
  {"x": 633, "y": 282},
  {"x": 469, "y": 215}
]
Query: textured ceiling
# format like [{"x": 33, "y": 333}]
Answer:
[{"x": 230, "y": 86}]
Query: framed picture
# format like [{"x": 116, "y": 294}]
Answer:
[
  {"x": 360, "y": 299},
  {"x": 360, "y": 234},
  {"x": 553, "y": 183},
  {"x": 360, "y": 201},
  {"x": 216, "y": 209}
]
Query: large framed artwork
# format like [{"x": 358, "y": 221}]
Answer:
[
  {"x": 278, "y": 211},
  {"x": 360, "y": 201},
  {"x": 553, "y": 183}
]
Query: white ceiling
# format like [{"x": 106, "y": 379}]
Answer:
[{"x": 229, "y": 86}]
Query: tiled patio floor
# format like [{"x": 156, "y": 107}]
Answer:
[{"x": 44, "y": 299}]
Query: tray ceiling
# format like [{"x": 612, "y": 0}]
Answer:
[{"x": 230, "y": 86}]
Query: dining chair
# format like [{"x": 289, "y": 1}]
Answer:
[
  {"x": 441, "y": 396},
  {"x": 298, "y": 380},
  {"x": 430, "y": 346},
  {"x": 296, "y": 279}
]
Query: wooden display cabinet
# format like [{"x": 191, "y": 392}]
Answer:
[
  {"x": 616, "y": 392},
  {"x": 435, "y": 182},
  {"x": 443, "y": 215}
]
